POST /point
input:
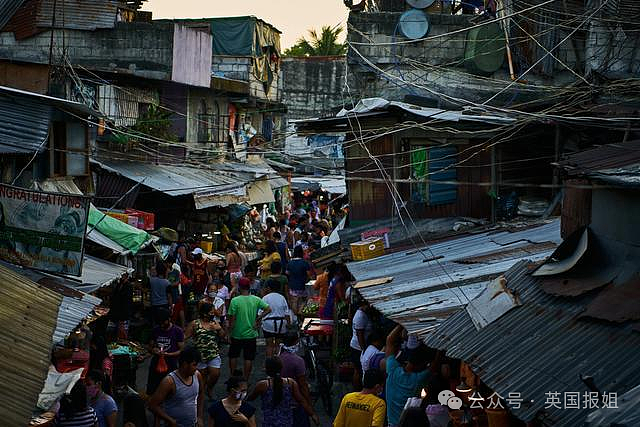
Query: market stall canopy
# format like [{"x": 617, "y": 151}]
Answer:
[
  {"x": 25, "y": 361},
  {"x": 334, "y": 184},
  {"x": 121, "y": 235},
  {"x": 430, "y": 284},
  {"x": 97, "y": 273},
  {"x": 218, "y": 184}
]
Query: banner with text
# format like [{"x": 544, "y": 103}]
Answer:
[{"x": 41, "y": 230}]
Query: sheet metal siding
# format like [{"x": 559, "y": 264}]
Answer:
[
  {"x": 29, "y": 314},
  {"x": 192, "y": 56},
  {"x": 78, "y": 14},
  {"x": 23, "y": 22},
  {"x": 368, "y": 199},
  {"x": 441, "y": 160},
  {"x": 110, "y": 187},
  {"x": 7, "y": 9},
  {"x": 541, "y": 347},
  {"x": 24, "y": 125}
]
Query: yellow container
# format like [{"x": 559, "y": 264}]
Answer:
[
  {"x": 367, "y": 249},
  {"x": 206, "y": 246}
]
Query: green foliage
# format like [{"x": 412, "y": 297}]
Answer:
[
  {"x": 155, "y": 123},
  {"x": 324, "y": 43}
]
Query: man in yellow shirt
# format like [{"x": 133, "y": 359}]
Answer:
[{"x": 364, "y": 408}]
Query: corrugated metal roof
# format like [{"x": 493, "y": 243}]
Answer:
[
  {"x": 216, "y": 185},
  {"x": 97, "y": 273},
  {"x": 24, "y": 125},
  {"x": 173, "y": 180},
  {"x": 29, "y": 314},
  {"x": 73, "y": 310},
  {"x": 7, "y": 9},
  {"x": 542, "y": 346},
  {"x": 615, "y": 163},
  {"x": 372, "y": 106},
  {"x": 78, "y": 14},
  {"x": 76, "y": 304},
  {"x": 278, "y": 182},
  {"x": 627, "y": 414},
  {"x": 25, "y": 117},
  {"x": 423, "y": 294}
]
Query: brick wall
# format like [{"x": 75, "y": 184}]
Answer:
[{"x": 313, "y": 86}]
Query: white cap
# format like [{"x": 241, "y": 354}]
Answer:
[
  {"x": 197, "y": 251},
  {"x": 176, "y": 267}
]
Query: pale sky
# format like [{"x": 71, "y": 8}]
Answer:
[{"x": 292, "y": 17}]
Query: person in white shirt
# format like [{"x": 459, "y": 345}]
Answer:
[
  {"x": 274, "y": 325},
  {"x": 372, "y": 356},
  {"x": 362, "y": 327}
]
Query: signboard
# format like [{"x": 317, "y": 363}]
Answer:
[{"x": 41, "y": 230}]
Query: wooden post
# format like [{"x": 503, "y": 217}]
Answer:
[{"x": 494, "y": 184}]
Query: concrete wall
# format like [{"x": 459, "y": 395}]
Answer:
[
  {"x": 140, "y": 49},
  {"x": 382, "y": 66},
  {"x": 313, "y": 86}
]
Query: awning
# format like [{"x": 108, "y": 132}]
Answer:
[
  {"x": 333, "y": 184},
  {"x": 221, "y": 198},
  {"x": 260, "y": 192},
  {"x": 97, "y": 273},
  {"x": 278, "y": 182},
  {"x": 220, "y": 184},
  {"x": 120, "y": 233}
]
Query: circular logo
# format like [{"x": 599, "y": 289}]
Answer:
[{"x": 372, "y": 247}]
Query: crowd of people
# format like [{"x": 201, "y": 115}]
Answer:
[{"x": 208, "y": 314}]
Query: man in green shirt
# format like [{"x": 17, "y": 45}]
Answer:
[{"x": 244, "y": 323}]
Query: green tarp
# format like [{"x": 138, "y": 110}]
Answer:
[
  {"x": 130, "y": 237},
  {"x": 233, "y": 36}
]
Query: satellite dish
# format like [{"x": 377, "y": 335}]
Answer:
[
  {"x": 414, "y": 24},
  {"x": 420, "y": 4}
]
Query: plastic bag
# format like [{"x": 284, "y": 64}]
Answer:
[{"x": 161, "y": 366}]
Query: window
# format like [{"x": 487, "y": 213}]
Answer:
[
  {"x": 68, "y": 149},
  {"x": 428, "y": 166}
]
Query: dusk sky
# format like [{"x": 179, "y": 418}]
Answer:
[{"x": 292, "y": 17}]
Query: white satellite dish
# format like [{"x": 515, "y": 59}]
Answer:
[{"x": 414, "y": 24}]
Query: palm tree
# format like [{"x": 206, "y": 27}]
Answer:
[{"x": 323, "y": 44}]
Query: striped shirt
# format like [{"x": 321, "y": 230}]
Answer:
[{"x": 86, "y": 418}]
